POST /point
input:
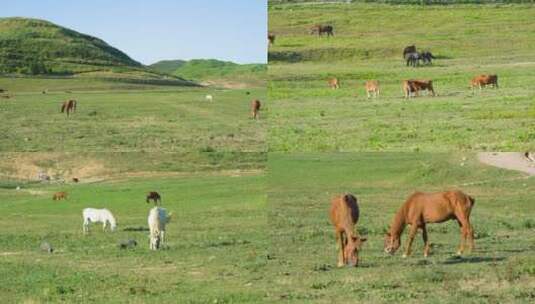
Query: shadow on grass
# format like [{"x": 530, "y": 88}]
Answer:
[
  {"x": 136, "y": 229},
  {"x": 470, "y": 260}
]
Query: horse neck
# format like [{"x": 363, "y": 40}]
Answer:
[{"x": 398, "y": 224}]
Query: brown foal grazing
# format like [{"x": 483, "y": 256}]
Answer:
[
  {"x": 344, "y": 215},
  {"x": 68, "y": 106},
  {"x": 333, "y": 83},
  {"x": 483, "y": 81},
  {"x": 417, "y": 85},
  {"x": 423, "y": 208},
  {"x": 154, "y": 196},
  {"x": 372, "y": 87},
  {"x": 255, "y": 109},
  {"x": 59, "y": 196}
]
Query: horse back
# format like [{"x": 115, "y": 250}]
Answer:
[{"x": 344, "y": 211}]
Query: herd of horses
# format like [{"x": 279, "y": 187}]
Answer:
[{"x": 418, "y": 210}]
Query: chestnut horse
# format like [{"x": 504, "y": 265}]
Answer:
[
  {"x": 69, "y": 106},
  {"x": 271, "y": 38},
  {"x": 59, "y": 196},
  {"x": 255, "y": 108},
  {"x": 344, "y": 215},
  {"x": 154, "y": 196},
  {"x": 423, "y": 208},
  {"x": 334, "y": 83}
]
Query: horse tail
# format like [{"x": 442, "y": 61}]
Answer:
[{"x": 63, "y": 108}]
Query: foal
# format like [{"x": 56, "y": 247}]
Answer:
[
  {"x": 344, "y": 215},
  {"x": 422, "y": 208},
  {"x": 255, "y": 109},
  {"x": 69, "y": 106}
]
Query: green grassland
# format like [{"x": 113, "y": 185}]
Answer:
[
  {"x": 214, "y": 71},
  {"x": 302, "y": 263},
  {"x": 124, "y": 116},
  {"x": 368, "y": 43},
  {"x": 216, "y": 238}
]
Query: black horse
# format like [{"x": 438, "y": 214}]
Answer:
[{"x": 413, "y": 59}]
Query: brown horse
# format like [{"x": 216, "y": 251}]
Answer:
[
  {"x": 59, "y": 196},
  {"x": 423, "y": 208},
  {"x": 334, "y": 83},
  {"x": 372, "y": 87},
  {"x": 322, "y": 29},
  {"x": 417, "y": 85},
  {"x": 69, "y": 106},
  {"x": 344, "y": 214},
  {"x": 154, "y": 196},
  {"x": 255, "y": 109},
  {"x": 271, "y": 38}
]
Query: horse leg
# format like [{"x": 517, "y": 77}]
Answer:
[
  {"x": 426, "y": 241},
  {"x": 340, "y": 247},
  {"x": 86, "y": 226},
  {"x": 412, "y": 234}
]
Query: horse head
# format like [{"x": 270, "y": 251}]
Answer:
[
  {"x": 392, "y": 243},
  {"x": 351, "y": 250}
]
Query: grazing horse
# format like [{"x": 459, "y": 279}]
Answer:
[
  {"x": 255, "y": 109},
  {"x": 59, "y": 196},
  {"x": 416, "y": 85},
  {"x": 322, "y": 29},
  {"x": 344, "y": 214},
  {"x": 483, "y": 81},
  {"x": 334, "y": 83},
  {"x": 103, "y": 216},
  {"x": 413, "y": 59},
  {"x": 427, "y": 57},
  {"x": 372, "y": 87},
  {"x": 69, "y": 106},
  {"x": 409, "y": 49},
  {"x": 154, "y": 196},
  {"x": 423, "y": 208},
  {"x": 157, "y": 220},
  {"x": 271, "y": 38}
]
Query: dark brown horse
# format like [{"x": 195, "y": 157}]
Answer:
[
  {"x": 271, "y": 38},
  {"x": 154, "y": 196},
  {"x": 408, "y": 50},
  {"x": 255, "y": 109},
  {"x": 424, "y": 208},
  {"x": 322, "y": 29},
  {"x": 344, "y": 214},
  {"x": 69, "y": 106}
]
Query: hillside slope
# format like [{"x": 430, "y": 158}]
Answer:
[
  {"x": 214, "y": 71},
  {"x": 39, "y": 47}
]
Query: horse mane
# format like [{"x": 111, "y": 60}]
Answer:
[{"x": 398, "y": 222}]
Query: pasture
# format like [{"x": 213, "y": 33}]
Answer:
[
  {"x": 126, "y": 117},
  {"x": 216, "y": 238},
  {"x": 368, "y": 41},
  {"x": 303, "y": 254}
]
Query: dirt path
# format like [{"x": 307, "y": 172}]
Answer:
[{"x": 508, "y": 160}]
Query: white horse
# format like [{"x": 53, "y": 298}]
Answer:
[
  {"x": 209, "y": 98},
  {"x": 98, "y": 215},
  {"x": 157, "y": 220}
]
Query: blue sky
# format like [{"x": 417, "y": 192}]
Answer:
[{"x": 152, "y": 30}]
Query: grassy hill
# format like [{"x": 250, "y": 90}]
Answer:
[
  {"x": 213, "y": 71},
  {"x": 38, "y": 47}
]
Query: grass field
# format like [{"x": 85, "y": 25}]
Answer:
[
  {"x": 303, "y": 256},
  {"x": 368, "y": 43},
  {"x": 118, "y": 116},
  {"x": 216, "y": 239}
]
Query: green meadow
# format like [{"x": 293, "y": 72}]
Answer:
[
  {"x": 468, "y": 40},
  {"x": 216, "y": 250},
  {"x": 303, "y": 254},
  {"x": 122, "y": 116}
]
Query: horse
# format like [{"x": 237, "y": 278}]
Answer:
[
  {"x": 103, "y": 216},
  {"x": 372, "y": 86},
  {"x": 427, "y": 57},
  {"x": 416, "y": 85},
  {"x": 75, "y": 179},
  {"x": 157, "y": 220},
  {"x": 409, "y": 49},
  {"x": 530, "y": 156},
  {"x": 334, "y": 83},
  {"x": 321, "y": 29},
  {"x": 424, "y": 208},
  {"x": 255, "y": 109},
  {"x": 483, "y": 81},
  {"x": 413, "y": 59},
  {"x": 209, "y": 98},
  {"x": 154, "y": 196},
  {"x": 69, "y": 106},
  {"x": 271, "y": 38},
  {"x": 344, "y": 214},
  {"x": 59, "y": 196}
]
